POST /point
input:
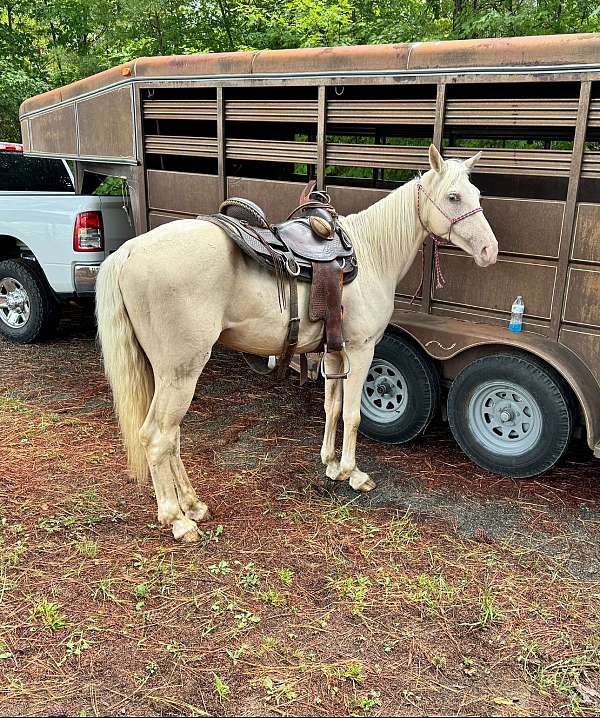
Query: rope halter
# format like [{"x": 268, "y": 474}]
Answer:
[{"x": 435, "y": 238}]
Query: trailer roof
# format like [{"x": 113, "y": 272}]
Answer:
[{"x": 536, "y": 51}]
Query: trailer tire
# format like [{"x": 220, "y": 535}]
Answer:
[
  {"x": 401, "y": 394},
  {"x": 28, "y": 310},
  {"x": 511, "y": 414}
]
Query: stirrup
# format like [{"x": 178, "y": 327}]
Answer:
[{"x": 342, "y": 375}]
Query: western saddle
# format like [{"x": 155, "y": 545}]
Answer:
[{"x": 310, "y": 246}]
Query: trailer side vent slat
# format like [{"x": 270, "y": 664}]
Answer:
[
  {"x": 552, "y": 163},
  {"x": 271, "y": 111},
  {"x": 271, "y": 150},
  {"x": 382, "y": 112},
  {"x": 517, "y": 112},
  {"x": 386, "y": 156},
  {"x": 184, "y": 146},
  {"x": 180, "y": 110},
  {"x": 591, "y": 165}
]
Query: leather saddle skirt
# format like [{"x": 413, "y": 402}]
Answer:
[{"x": 295, "y": 236}]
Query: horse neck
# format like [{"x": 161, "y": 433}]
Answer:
[{"x": 387, "y": 235}]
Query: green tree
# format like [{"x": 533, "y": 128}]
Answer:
[{"x": 47, "y": 43}]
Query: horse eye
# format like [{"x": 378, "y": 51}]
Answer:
[{"x": 453, "y": 197}]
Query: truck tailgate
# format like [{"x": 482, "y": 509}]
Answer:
[{"x": 118, "y": 222}]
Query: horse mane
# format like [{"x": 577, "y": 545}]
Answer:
[{"x": 386, "y": 232}]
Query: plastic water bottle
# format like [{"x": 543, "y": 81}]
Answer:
[{"x": 516, "y": 316}]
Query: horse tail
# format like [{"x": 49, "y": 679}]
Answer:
[{"x": 126, "y": 365}]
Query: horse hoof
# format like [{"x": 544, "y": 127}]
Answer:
[
  {"x": 333, "y": 472},
  {"x": 199, "y": 512},
  {"x": 190, "y": 537},
  {"x": 367, "y": 486},
  {"x": 360, "y": 481},
  {"x": 182, "y": 529}
]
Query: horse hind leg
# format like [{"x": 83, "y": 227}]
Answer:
[
  {"x": 191, "y": 505},
  {"x": 160, "y": 437}
]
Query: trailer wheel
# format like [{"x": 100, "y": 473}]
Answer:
[
  {"x": 28, "y": 311},
  {"x": 401, "y": 394},
  {"x": 511, "y": 414}
]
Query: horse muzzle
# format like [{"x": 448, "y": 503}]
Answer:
[{"x": 487, "y": 255}]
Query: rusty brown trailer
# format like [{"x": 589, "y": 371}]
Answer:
[{"x": 188, "y": 131}]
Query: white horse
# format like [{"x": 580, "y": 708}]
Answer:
[{"x": 166, "y": 297}]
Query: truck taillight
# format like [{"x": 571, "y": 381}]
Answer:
[
  {"x": 11, "y": 146},
  {"x": 89, "y": 234}
]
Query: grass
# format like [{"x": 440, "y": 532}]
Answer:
[
  {"x": 355, "y": 590},
  {"x": 285, "y": 575},
  {"x": 48, "y": 614},
  {"x": 222, "y": 690},
  {"x": 292, "y": 602},
  {"x": 432, "y": 593},
  {"x": 271, "y": 596},
  {"x": 278, "y": 692},
  {"x": 88, "y": 548},
  {"x": 103, "y": 590},
  {"x": 402, "y": 531},
  {"x": 489, "y": 612}
]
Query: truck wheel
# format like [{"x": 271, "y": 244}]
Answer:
[
  {"x": 511, "y": 414},
  {"x": 401, "y": 394},
  {"x": 28, "y": 311}
]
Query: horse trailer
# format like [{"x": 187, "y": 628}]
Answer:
[{"x": 186, "y": 132}]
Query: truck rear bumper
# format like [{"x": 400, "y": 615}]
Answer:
[{"x": 85, "y": 278}]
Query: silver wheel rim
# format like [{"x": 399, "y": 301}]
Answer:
[
  {"x": 384, "y": 394},
  {"x": 15, "y": 307},
  {"x": 504, "y": 418}
]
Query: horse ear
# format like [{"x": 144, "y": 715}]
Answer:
[
  {"x": 435, "y": 159},
  {"x": 472, "y": 160}
]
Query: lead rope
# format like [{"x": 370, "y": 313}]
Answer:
[{"x": 440, "y": 280}]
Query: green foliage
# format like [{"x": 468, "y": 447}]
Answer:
[
  {"x": 222, "y": 690},
  {"x": 355, "y": 590},
  {"x": 285, "y": 575},
  {"x": 278, "y": 692},
  {"x": 48, "y": 614},
  {"x": 489, "y": 612},
  {"x": 369, "y": 702},
  {"x": 48, "y": 44}
]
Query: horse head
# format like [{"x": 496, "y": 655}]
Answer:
[{"x": 449, "y": 209}]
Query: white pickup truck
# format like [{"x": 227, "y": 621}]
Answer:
[{"x": 52, "y": 241}]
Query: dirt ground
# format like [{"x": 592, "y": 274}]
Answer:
[{"x": 445, "y": 591}]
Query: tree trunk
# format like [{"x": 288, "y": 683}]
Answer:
[
  {"x": 226, "y": 25},
  {"x": 161, "y": 39},
  {"x": 456, "y": 13}
]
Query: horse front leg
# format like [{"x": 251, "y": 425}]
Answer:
[
  {"x": 360, "y": 360},
  {"x": 333, "y": 409}
]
